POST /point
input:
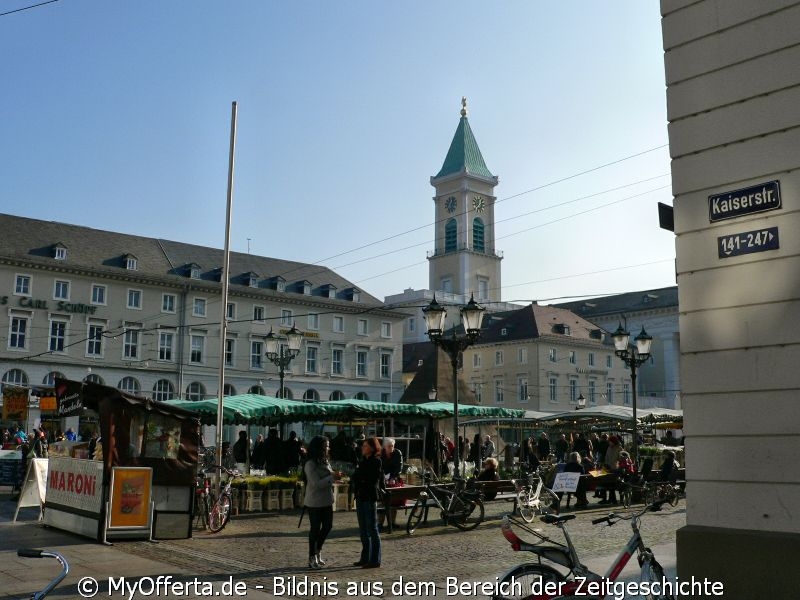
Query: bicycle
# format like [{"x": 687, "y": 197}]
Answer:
[
  {"x": 30, "y": 553},
  {"x": 202, "y": 498},
  {"x": 461, "y": 507},
  {"x": 219, "y": 512},
  {"x": 542, "y": 581},
  {"x": 533, "y": 497},
  {"x": 650, "y": 492}
]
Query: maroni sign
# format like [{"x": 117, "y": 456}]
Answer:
[{"x": 754, "y": 199}]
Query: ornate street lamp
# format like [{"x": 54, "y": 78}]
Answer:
[
  {"x": 633, "y": 357},
  {"x": 280, "y": 354},
  {"x": 581, "y": 402},
  {"x": 454, "y": 345}
]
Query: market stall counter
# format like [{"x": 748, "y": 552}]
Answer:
[{"x": 139, "y": 481}]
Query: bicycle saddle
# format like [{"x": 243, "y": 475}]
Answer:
[{"x": 553, "y": 519}]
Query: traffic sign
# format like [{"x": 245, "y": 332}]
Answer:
[
  {"x": 748, "y": 242},
  {"x": 746, "y": 201}
]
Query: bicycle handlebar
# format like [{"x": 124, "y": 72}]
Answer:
[{"x": 29, "y": 553}]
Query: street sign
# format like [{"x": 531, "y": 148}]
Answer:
[
  {"x": 748, "y": 242},
  {"x": 754, "y": 199}
]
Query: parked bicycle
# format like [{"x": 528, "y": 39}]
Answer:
[
  {"x": 542, "y": 581},
  {"x": 533, "y": 497},
  {"x": 214, "y": 512},
  {"x": 461, "y": 506},
  {"x": 649, "y": 492},
  {"x": 202, "y": 498},
  {"x": 30, "y": 553}
]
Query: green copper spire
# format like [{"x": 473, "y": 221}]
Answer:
[{"x": 464, "y": 153}]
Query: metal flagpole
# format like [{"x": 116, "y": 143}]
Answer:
[{"x": 225, "y": 266}]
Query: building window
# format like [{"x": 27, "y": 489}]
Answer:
[
  {"x": 610, "y": 392},
  {"x": 337, "y": 356},
  {"x": 498, "y": 391},
  {"x": 98, "y": 294},
  {"x": 130, "y": 344},
  {"x": 252, "y": 281},
  {"x": 18, "y": 333},
  {"x": 386, "y": 330},
  {"x": 522, "y": 356},
  {"x": 477, "y": 388},
  {"x": 286, "y": 317},
  {"x": 412, "y": 324},
  {"x": 626, "y": 393},
  {"x": 22, "y": 285},
  {"x": 386, "y": 365},
  {"x": 592, "y": 391},
  {"x": 338, "y": 324},
  {"x": 258, "y": 314},
  {"x": 195, "y": 391},
  {"x": 199, "y": 307},
  {"x": 361, "y": 363},
  {"x": 522, "y": 389},
  {"x": 553, "y": 389},
  {"x": 591, "y": 359},
  {"x": 363, "y": 328},
  {"x": 498, "y": 358},
  {"x": 336, "y": 395},
  {"x": 313, "y": 321},
  {"x": 450, "y": 236},
  {"x": 311, "y": 358},
  {"x": 168, "y": 303},
  {"x": 608, "y": 361},
  {"x": 478, "y": 239},
  {"x": 94, "y": 340},
  {"x": 163, "y": 390},
  {"x": 50, "y": 378},
  {"x": 483, "y": 290},
  {"x": 135, "y": 299},
  {"x": 553, "y": 355},
  {"x": 573, "y": 390},
  {"x": 230, "y": 352},
  {"x": 61, "y": 253},
  {"x": 58, "y": 336},
  {"x": 197, "y": 347},
  {"x": 476, "y": 360},
  {"x": 256, "y": 355},
  {"x": 230, "y": 312},
  {"x": 306, "y": 288},
  {"x": 280, "y": 285},
  {"x": 447, "y": 286},
  {"x": 194, "y": 272},
  {"x": 573, "y": 359},
  {"x": 131, "y": 264},
  {"x": 166, "y": 341},
  {"x": 386, "y": 397},
  {"x": 129, "y": 385},
  {"x": 311, "y": 395},
  {"x": 15, "y": 377},
  {"x": 61, "y": 290}
]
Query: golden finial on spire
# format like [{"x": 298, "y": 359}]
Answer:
[{"x": 463, "y": 106}]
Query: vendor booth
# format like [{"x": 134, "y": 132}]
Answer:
[{"x": 139, "y": 479}]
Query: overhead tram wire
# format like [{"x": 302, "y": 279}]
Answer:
[{"x": 10, "y": 12}]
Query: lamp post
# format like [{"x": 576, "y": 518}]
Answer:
[
  {"x": 633, "y": 357},
  {"x": 454, "y": 345},
  {"x": 581, "y": 402},
  {"x": 280, "y": 354}
]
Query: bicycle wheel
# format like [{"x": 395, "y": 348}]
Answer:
[
  {"x": 626, "y": 496},
  {"x": 220, "y": 514},
  {"x": 526, "y": 510},
  {"x": 525, "y": 581},
  {"x": 202, "y": 508},
  {"x": 672, "y": 495},
  {"x": 470, "y": 514},
  {"x": 548, "y": 501},
  {"x": 652, "y": 572},
  {"x": 415, "y": 517}
]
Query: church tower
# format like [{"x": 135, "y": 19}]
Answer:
[{"x": 465, "y": 260}]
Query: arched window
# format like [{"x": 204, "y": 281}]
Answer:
[
  {"x": 129, "y": 385},
  {"x": 361, "y": 396},
  {"x": 258, "y": 390},
  {"x": 163, "y": 390},
  {"x": 311, "y": 395},
  {"x": 336, "y": 395},
  {"x": 450, "y": 236},
  {"x": 94, "y": 378},
  {"x": 478, "y": 240},
  {"x": 50, "y": 378},
  {"x": 228, "y": 390},
  {"x": 287, "y": 394},
  {"x": 195, "y": 391},
  {"x": 15, "y": 377}
]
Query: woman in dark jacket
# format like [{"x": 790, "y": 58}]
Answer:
[
  {"x": 367, "y": 480},
  {"x": 319, "y": 498}
]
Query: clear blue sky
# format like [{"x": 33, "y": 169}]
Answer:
[{"x": 116, "y": 115}]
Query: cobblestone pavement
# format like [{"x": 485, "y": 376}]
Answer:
[{"x": 267, "y": 551}]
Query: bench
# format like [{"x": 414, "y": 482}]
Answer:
[
  {"x": 399, "y": 498},
  {"x": 504, "y": 489}
]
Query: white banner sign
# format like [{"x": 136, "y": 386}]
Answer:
[
  {"x": 566, "y": 482},
  {"x": 76, "y": 483}
]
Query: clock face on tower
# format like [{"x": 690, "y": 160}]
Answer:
[
  {"x": 450, "y": 204},
  {"x": 478, "y": 203}
]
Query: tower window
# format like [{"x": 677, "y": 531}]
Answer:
[
  {"x": 450, "y": 236},
  {"x": 478, "y": 240}
]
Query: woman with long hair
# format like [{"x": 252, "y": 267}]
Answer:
[
  {"x": 367, "y": 480},
  {"x": 319, "y": 498}
]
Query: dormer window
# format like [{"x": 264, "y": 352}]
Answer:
[
  {"x": 252, "y": 281},
  {"x": 504, "y": 331},
  {"x": 330, "y": 291},
  {"x": 131, "y": 262},
  {"x": 60, "y": 252},
  {"x": 280, "y": 285},
  {"x": 306, "y": 285},
  {"x": 355, "y": 294},
  {"x": 647, "y": 298},
  {"x": 194, "y": 272}
]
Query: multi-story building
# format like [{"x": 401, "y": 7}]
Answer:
[{"x": 144, "y": 315}]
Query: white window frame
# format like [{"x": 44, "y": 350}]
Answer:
[
  {"x": 626, "y": 393},
  {"x": 130, "y": 343},
  {"x": 573, "y": 390},
  {"x": 287, "y": 317},
  {"x": 522, "y": 355},
  {"x": 131, "y": 264},
  {"x": 590, "y": 359},
  {"x": 256, "y": 354},
  {"x": 337, "y": 361},
  {"x": 610, "y": 392},
  {"x": 412, "y": 324},
  {"x": 362, "y": 366},
  {"x": 27, "y": 284},
  {"x": 592, "y": 391},
  {"x": 313, "y": 321},
  {"x": 573, "y": 357},
  {"x": 169, "y": 299},
  {"x": 95, "y": 342},
  {"x": 476, "y": 360},
  {"x": 338, "y": 324},
  {"x": 134, "y": 299},
  {"x": 552, "y": 389},
  {"x": 363, "y": 327},
  {"x": 386, "y": 365},
  {"x": 230, "y": 311},
  {"x": 64, "y": 323},
  {"x": 522, "y": 389},
  {"x": 257, "y": 308},
  {"x": 199, "y": 306},
  {"x": 499, "y": 392},
  {"x": 197, "y": 343},
  {"x": 60, "y": 253},
  {"x": 24, "y": 335},
  {"x": 61, "y": 289},
  {"x": 312, "y": 358},
  {"x": 609, "y": 361},
  {"x": 166, "y": 345},
  {"x": 498, "y": 358},
  {"x": 99, "y": 294},
  {"x": 553, "y": 355},
  {"x": 230, "y": 351},
  {"x": 386, "y": 330}
]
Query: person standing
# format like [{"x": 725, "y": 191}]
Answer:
[
  {"x": 319, "y": 498},
  {"x": 258, "y": 457},
  {"x": 392, "y": 465},
  {"x": 367, "y": 479}
]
